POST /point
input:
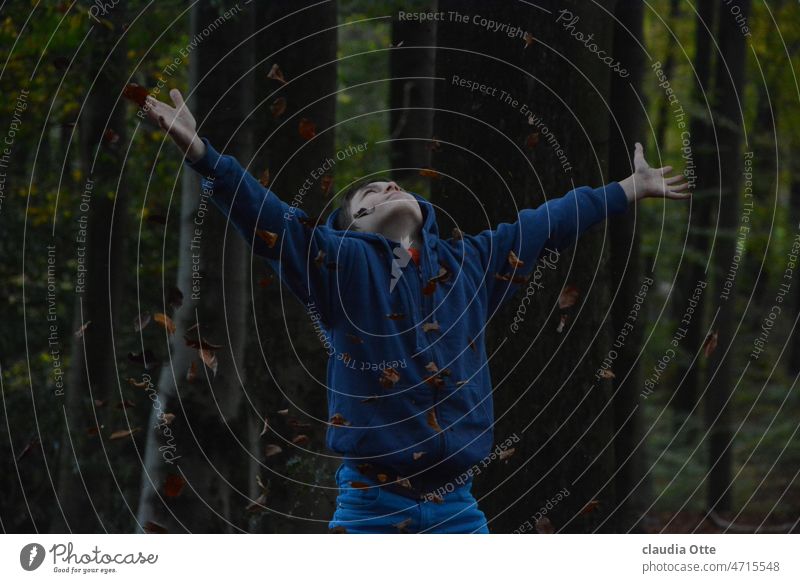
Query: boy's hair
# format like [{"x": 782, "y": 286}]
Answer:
[{"x": 345, "y": 219}]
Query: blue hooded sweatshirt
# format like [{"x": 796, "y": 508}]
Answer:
[{"x": 408, "y": 380}]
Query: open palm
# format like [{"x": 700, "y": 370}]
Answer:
[
  {"x": 654, "y": 182},
  {"x": 178, "y": 122}
]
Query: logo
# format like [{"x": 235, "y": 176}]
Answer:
[{"x": 31, "y": 556}]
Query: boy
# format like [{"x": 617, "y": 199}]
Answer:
[{"x": 409, "y": 392}]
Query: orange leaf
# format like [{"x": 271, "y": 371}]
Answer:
[
  {"x": 209, "y": 358},
  {"x": 191, "y": 374},
  {"x": 276, "y": 73},
  {"x": 307, "y": 129},
  {"x": 607, "y": 374},
  {"x": 135, "y": 93},
  {"x": 590, "y": 507},
  {"x": 301, "y": 440},
  {"x": 418, "y": 454},
  {"x": 263, "y": 180},
  {"x": 569, "y": 295},
  {"x": 268, "y": 237},
  {"x": 429, "y": 173},
  {"x": 165, "y": 322},
  {"x": 528, "y": 38},
  {"x": 337, "y": 419},
  {"x": 544, "y": 526},
  {"x": 389, "y": 378},
  {"x": 173, "y": 486},
  {"x": 532, "y": 140},
  {"x": 326, "y": 183},
  {"x": 141, "y": 321},
  {"x": 123, "y": 433},
  {"x": 432, "y": 422},
  {"x": 79, "y": 332},
  {"x": 430, "y": 327},
  {"x": 515, "y": 261}
]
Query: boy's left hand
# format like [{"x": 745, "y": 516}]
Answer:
[{"x": 653, "y": 182}]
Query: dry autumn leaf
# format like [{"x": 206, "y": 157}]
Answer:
[
  {"x": 191, "y": 374},
  {"x": 79, "y": 332},
  {"x": 429, "y": 173},
  {"x": 271, "y": 449},
  {"x": 590, "y": 507},
  {"x": 710, "y": 344},
  {"x": 307, "y": 129},
  {"x": 263, "y": 180},
  {"x": 432, "y": 422},
  {"x": 389, "y": 378},
  {"x": 568, "y": 298},
  {"x": 141, "y": 321},
  {"x": 528, "y": 38},
  {"x": 278, "y": 107},
  {"x": 137, "y": 384},
  {"x": 119, "y": 434},
  {"x": 562, "y": 323},
  {"x": 135, "y": 93},
  {"x": 276, "y": 73},
  {"x": 268, "y": 237},
  {"x": 338, "y": 419},
  {"x": 151, "y": 527},
  {"x": 607, "y": 374},
  {"x": 544, "y": 526},
  {"x": 165, "y": 322},
  {"x": 209, "y": 358},
  {"x": 326, "y": 184},
  {"x": 301, "y": 440},
  {"x": 532, "y": 140},
  {"x": 174, "y": 485},
  {"x": 506, "y": 453},
  {"x": 515, "y": 261},
  {"x": 417, "y": 454},
  {"x": 430, "y": 327}
]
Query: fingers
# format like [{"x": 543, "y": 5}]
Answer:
[
  {"x": 664, "y": 170},
  {"x": 673, "y": 179},
  {"x": 678, "y": 195},
  {"x": 177, "y": 98}
]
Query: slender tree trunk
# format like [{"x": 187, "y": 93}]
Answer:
[
  {"x": 85, "y": 473},
  {"x": 411, "y": 96},
  {"x": 729, "y": 84},
  {"x": 285, "y": 358},
  {"x": 695, "y": 263},
  {"x": 793, "y": 359},
  {"x": 627, "y": 277},
  {"x": 560, "y": 414},
  {"x": 206, "y": 445},
  {"x": 664, "y": 114}
]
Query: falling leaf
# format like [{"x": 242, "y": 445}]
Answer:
[
  {"x": 430, "y": 288},
  {"x": 532, "y": 140},
  {"x": 168, "y": 418},
  {"x": 319, "y": 260},
  {"x": 435, "y": 145},
  {"x": 370, "y": 399},
  {"x": 431, "y": 367},
  {"x": 165, "y": 322},
  {"x": 337, "y": 530},
  {"x": 79, "y": 332},
  {"x": 590, "y": 507},
  {"x": 266, "y": 427},
  {"x": 191, "y": 374},
  {"x": 402, "y": 526},
  {"x": 418, "y": 454},
  {"x": 264, "y": 178},
  {"x": 457, "y": 234},
  {"x": 301, "y": 440},
  {"x": 432, "y": 422},
  {"x": 569, "y": 295},
  {"x": 514, "y": 261},
  {"x": 296, "y": 425},
  {"x": 338, "y": 419},
  {"x": 442, "y": 276},
  {"x": 395, "y": 316},
  {"x": 354, "y": 339},
  {"x": 268, "y": 237},
  {"x": 283, "y": 411},
  {"x": 544, "y": 526},
  {"x": 194, "y": 339},
  {"x": 99, "y": 403},
  {"x": 271, "y": 449},
  {"x": 137, "y": 384},
  {"x": 310, "y": 222},
  {"x": 307, "y": 129},
  {"x": 135, "y": 93},
  {"x": 278, "y": 108},
  {"x": 528, "y": 38},
  {"x": 326, "y": 184},
  {"x": 119, "y": 434},
  {"x": 141, "y": 321},
  {"x": 151, "y": 527},
  {"x": 382, "y": 477},
  {"x": 258, "y": 505},
  {"x": 506, "y": 453},
  {"x": 429, "y": 173},
  {"x": 513, "y": 279},
  {"x": 461, "y": 383},
  {"x": 607, "y": 374},
  {"x": 209, "y": 358},
  {"x": 359, "y": 485},
  {"x": 276, "y": 73},
  {"x": 175, "y": 297},
  {"x": 710, "y": 344},
  {"x": 174, "y": 486},
  {"x": 392, "y": 45},
  {"x": 430, "y": 327},
  {"x": 389, "y": 378},
  {"x": 110, "y": 136},
  {"x": 124, "y": 404},
  {"x": 562, "y": 322}
]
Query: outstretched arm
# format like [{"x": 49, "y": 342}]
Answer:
[{"x": 310, "y": 259}]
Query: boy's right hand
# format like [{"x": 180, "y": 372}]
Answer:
[{"x": 179, "y": 124}]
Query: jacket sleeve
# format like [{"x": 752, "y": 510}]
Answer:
[
  {"x": 555, "y": 225},
  {"x": 310, "y": 259}
]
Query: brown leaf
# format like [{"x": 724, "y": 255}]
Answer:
[
  {"x": 528, "y": 38},
  {"x": 430, "y": 327},
  {"x": 263, "y": 180},
  {"x": 266, "y": 427},
  {"x": 265, "y": 281},
  {"x": 389, "y": 378},
  {"x": 168, "y": 418},
  {"x": 258, "y": 505},
  {"x": 562, "y": 323},
  {"x": 457, "y": 234},
  {"x": 515, "y": 261},
  {"x": 544, "y": 526},
  {"x": 283, "y": 411},
  {"x": 136, "y": 384},
  {"x": 174, "y": 485},
  {"x": 278, "y": 108},
  {"x": 165, "y": 322},
  {"x": 194, "y": 339},
  {"x": 402, "y": 526},
  {"x": 590, "y": 507},
  {"x": 151, "y": 527},
  {"x": 271, "y": 449},
  {"x": 359, "y": 485},
  {"x": 395, "y": 316},
  {"x": 301, "y": 440},
  {"x": 110, "y": 137},
  {"x": 432, "y": 422},
  {"x": 119, "y": 434},
  {"x": 135, "y": 93},
  {"x": 307, "y": 129},
  {"x": 568, "y": 298},
  {"x": 532, "y": 140},
  {"x": 338, "y": 419},
  {"x": 429, "y": 288},
  {"x": 417, "y": 454},
  {"x": 710, "y": 344},
  {"x": 209, "y": 358},
  {"x": 326, "y": 184},
  {"x": 607, "y": 374},
  {"x": 429, "y": 173},
  {"x": 276, "y": 73},
  {"x": 506, "y": 453},
  {"x": 431, "y": 367},
  {"x": 79, "y": 332},
  {"x": 337, "y": 530},
  {"x": 511, "y": 278},
  {"x": 268, "y": 237},
  {"x": 191, "y": 374},
  {"x": 354, "y": 339}
]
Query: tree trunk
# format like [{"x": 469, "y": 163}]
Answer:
[
  {"x": 543, "y": 381},
  {"x": 412, "y": 66},
  {"x": 285, "y": 358},
  {"x": 86, "y": 476},
  {"x": 632, "y": 481},
  {"x": 205, "y": 445},
  {"x": 728, "y": 84}
]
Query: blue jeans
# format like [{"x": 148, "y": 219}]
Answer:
[{"x": 379, "y": 510}]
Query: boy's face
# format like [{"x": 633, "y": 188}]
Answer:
[{"x": 387, "y": 206}]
